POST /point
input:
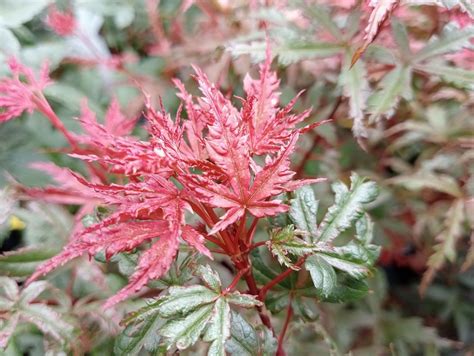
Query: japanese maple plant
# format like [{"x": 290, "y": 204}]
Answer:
[{"x": 196, "y": 190}]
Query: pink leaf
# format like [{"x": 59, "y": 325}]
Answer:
[{"x": 380, "y": 13}]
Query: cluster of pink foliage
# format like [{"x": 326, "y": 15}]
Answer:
[{"x": 222, "y": 163}]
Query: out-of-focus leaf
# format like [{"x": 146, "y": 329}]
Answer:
[
  {"x": 440, "y": 182},
  {"x": 401, "y": 37},
  {"x": 396, "y": 84},
  {"x": 347, "y": 208},
  {"x": 458, "y": 76},
  {"x": 18, "y": 307},
  {"x": 452, "y": 39},
  {"x": 287, "y": 52},
  {"x": 9, "y": 46},
  {"x": 292, "y": 52},
  {"x": 23, "y": 262},
  {"x": 355, "y": 87},
  {"x": 14, "y": 13},
  {"x": 446, "y": 248}
]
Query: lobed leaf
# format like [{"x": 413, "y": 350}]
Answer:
[
  {"x": 452, "y": 39},
  {"x": 218, "y": 330},
  {"x": 243, "y": 339},
  {"x": 185, "y": 331},
  {"x": 348, "y": 207},
  {"x": 323, "y": 275},
  {"x": 304, "y": 209}
]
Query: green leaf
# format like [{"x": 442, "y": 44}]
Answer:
[
  {"x": 348, "y": 207},
  {"x": 184, "y": 332},
  {"x": 182, "y": 300},
  {"x": 304, "y": 209},
  {"x": 23, "y": 262},
  {"x": 14, "y": 13},
  {"x": 446, "y": 247},
  {"x": 288, "y": 52},
  {"x": 219, "y": 328},
  {"x": 353, "y": 80},
  {"x": 365, "y": 229},
  {"x": 242, "y": 300},
  {"x": 323, "y": 275},
  {"x": 323, "y": 18},
  {"x": 440, "y": 182},
  {"x": 244, "y": 339},
  {"x": 284, "y": 242},
  {"x": 292, "y": 52},
  {"x": 396, "y": 84},
  {"x": 352, "y": 268},
  {"x": 270, "y": 343},
  {"x": 455, "y": 75},
  {"x": 9, "y": 46},
  {"x": 452, "y": 39},
  {"x": 210, "y": 278},
  {"x": 139, "y": 335},
  {"x": 401, "y": 37}
]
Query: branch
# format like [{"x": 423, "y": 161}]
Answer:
[{"x": 264, "y": 290}]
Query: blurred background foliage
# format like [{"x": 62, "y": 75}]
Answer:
[{"x": 402, "y": 115}]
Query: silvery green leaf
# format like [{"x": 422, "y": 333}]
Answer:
[
  {"x": 22, "y": 262},
  {"x": 458, "y": 76},
  {"x": 185, "y": 331},
  {"x": 14, "y": 13},
  {"x": 304, "y": 209},
  {"x": 210, "y": 278},
  {"x": 218, "y": 330},
  {"x": 452, "y": 39},
  {"x": 285, "y": 242},
  {"x": 294, "y": 51},
  {"x": 365, "y": 229},
  {"x": 395, "y": 84},
  {"x": 182, "y": 300},
  {"x": 242, "y": 300},
  {"x": 323, "y": 275},
  {"x": 353, "y": 80},
  {"x": 9, "y": 44},
  {"x": 9, "y": 287},
  {"x": 32, "y": 291},
  {"x": 270, "y": 343},
  {"x": 47, "y": 320},
  {"x": 401, "y": 37},
  {"x": 244, "y": 339},
  {"x": 440, "y": 182},
  {"x": 136, "y": 336},
  {"x": 354, "y": 269},
  {"x": 347, "y": 208}
]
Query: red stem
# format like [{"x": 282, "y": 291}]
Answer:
[
  {"x": 278, "y": 279},
  {"x": 257, "y": 244},
  {"x": 236, "y": 280},
  {"x": 253, "y": 289},
  {"x": 251, "y": 231},
  {"x": 289, "y": 315}
]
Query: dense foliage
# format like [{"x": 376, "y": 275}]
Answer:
[{"x": 241, "y": 178}]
